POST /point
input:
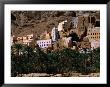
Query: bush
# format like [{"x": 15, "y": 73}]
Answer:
[{"x": 62, "y": 61}]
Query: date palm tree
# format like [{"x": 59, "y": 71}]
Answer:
[{"x": 18, "y": 48}]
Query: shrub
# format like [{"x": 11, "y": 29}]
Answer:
[{"x": 33, "y": 60}]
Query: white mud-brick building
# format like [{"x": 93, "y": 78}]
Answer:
[
  {"x": 95, "y": 44},
  {"x": 44, "y": 43},
  {"x": 75, "y": 22},
  {"x": 60, "y": 25},
  {"x": 54, "y": 34}
]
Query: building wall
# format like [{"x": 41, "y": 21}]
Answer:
[
  {"x": 86, "y": 20},
  {"x": 82, "y": 24},
  {"x": 23, "y": 39},
  {"x": 27, "y": 39},
  {"x": 19, "y": 40},
  {"x": 93, "y": 33},
  {"x": 95, "y": 44},
  {"x": 44, "y": 43},
  {"x": 75, "y": 22},
  {"x": 60, "y": 25},
  {"x": 54, "y": 34},
  {"x": 67, "y": 41},
  {"x": 30, "y": 37}
]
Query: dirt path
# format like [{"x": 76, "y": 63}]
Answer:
[{"x": 58, "y": 75}]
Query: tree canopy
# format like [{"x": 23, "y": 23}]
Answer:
[{"x": 34, "y": 60}]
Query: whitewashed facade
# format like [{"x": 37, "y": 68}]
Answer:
[
  {"x": 75, "y": 22},
  {"x": 60, "y": 26},
  {"x": 95, "y": 44},
  {"x": 54, "y": 34},
  {"x": 44, "y": 43},
  {"x": 66, "y": 40}
]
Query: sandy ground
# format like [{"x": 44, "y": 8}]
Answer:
[{"x": 58, "y": 75}]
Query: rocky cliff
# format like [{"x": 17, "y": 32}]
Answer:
[{"x": 27, "y": 22}]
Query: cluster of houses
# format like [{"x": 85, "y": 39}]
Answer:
[{"x": 85, "y": 26}]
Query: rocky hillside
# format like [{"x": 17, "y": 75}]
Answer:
[{"x": 27, "y": 22}]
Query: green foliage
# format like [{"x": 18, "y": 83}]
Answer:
[
  {"x": 74, "y": 36},
  {"x": 96, "y": 60},
  {"x": 62, "y": 61}
]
